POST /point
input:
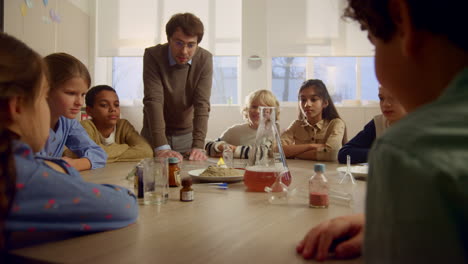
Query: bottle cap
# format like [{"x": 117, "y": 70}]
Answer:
[
  {"x": 319, "y": 167},
  {"x": 173, "y": 160},
  {"x": 187, "y": 181}
]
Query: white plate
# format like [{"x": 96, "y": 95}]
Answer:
[
  {"x": 196, "y": 175},
  {"x": 357, "y": 171}
]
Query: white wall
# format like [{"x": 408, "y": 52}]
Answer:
[
  {"x": 254, "y": 74},
  {"x": 70, "y": 35}
]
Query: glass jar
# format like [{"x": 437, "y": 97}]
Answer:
[
  {"x": 174, "y": 172},
  {"x": 186, "y": 193}
]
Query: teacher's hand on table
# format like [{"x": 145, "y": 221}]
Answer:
[
  {"x": 342, "y": 236},
  {"x": 167, "y": 153},
  {"x": 197, "y": 154}
]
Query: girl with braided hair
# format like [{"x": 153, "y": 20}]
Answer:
[{"x": 64, "y": 201}]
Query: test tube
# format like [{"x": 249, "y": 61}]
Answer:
[{"x": 340, "y": 198}]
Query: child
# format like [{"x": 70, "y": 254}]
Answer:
[
  {"x": 358, "y": 147},
  {"x": 239, "y": 137},
  {"x": 69, "y": 82},
  {"x": 417, "y": 195},
  {"x": 45, "y": 193},
  {"x": 319, "y": 132},
  {"x": 116, "y": 136}
]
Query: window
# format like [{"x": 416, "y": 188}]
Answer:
[
  {"x": 224, "y": 90},
  {"x": 116, "y": 38},
  {"x": 288, "y": 73},
  {"x": 346, "y": 78},
  {"x": 127, "y": 79},
  {"x": 338, "y": 74},
  {"x": 369, "y": 83}
]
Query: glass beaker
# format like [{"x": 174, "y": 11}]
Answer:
[
  {"x": 347, "y": 185},
  {"x": 266, "y": 160},
  {"x": 228, "y": 156},
  {"x": 155, "y": 180}
]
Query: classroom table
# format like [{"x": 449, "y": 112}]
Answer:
[{"x": 219, "y": 226}]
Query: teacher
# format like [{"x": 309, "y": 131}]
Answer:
[{"x": 177, "y": 79}]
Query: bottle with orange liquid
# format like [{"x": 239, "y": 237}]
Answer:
[
  {"x": 174, "y": 172},
  {"x": 318, "y": 188},
  {"x": 266, "y": 161}
]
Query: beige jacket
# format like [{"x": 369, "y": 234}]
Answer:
[
  {"x": 331, "y": 133},
  {"x": 128, "y": 146}
]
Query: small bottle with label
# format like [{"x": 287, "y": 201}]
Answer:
[
  {"x": 186, "y": 193},
  {"x": 318, "y": 188},
  {"x": 174, "y": 172}
]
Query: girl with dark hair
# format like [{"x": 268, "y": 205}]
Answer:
[
  {"x": 44, "y": 193},
  {"x": 21, "y": 82},
  {"x": 319, "y": 132}
]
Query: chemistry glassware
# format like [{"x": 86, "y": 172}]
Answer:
[
  {"x": 318, "y": 188},
  {"x": 278, "y": 192},
  {"x": 348, "y": 177},
  {"x": 266, "y": 158},
  {"x": 346, "y": 186},
  {"x": 228, "y": 156}
]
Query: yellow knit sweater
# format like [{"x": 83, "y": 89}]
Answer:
[{"x": 128, "y": 146}]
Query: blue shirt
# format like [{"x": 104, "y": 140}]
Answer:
[
  {"x": 358, "y": 147},
  {"x": 417, "y": 193},
  {"x": 70, "y": 133},
  {"x": 49, "y": 200},
  {"x": 172, "y": 61}
]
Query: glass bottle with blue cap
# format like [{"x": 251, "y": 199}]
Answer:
[
  {"x": 174, "y": 172},
  {"x": 318, "y": 187}
]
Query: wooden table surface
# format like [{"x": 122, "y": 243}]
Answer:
[{"x": 219, "y": 226}]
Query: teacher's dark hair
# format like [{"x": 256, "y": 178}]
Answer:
[{"x": 190, "y": 24}]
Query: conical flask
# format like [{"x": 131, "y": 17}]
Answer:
[{"x": 266, "y": 160}]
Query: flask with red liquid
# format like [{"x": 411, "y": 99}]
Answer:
[
  {"x": 318, "y": 188},
  {"x": 267, "y": 163}
]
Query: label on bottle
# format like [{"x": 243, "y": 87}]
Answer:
[
  {"x": 187, "y": 196},
  {"x": 174, "y": 176},
  {"x": 177, "y": 178}
]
